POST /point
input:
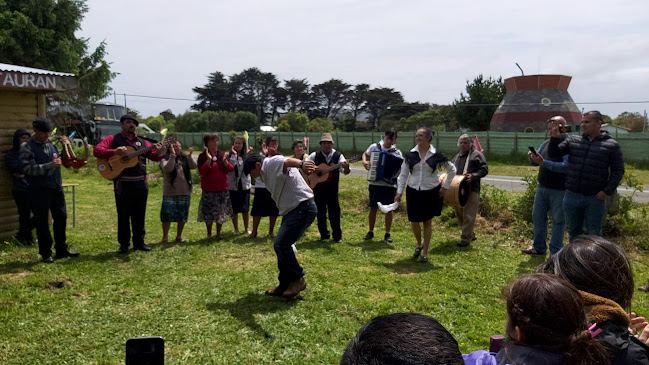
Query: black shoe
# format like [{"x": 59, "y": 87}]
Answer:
[
  {"x": 324, "y": 238},
  {"x": 463, "y": 243},
  {"x": 387, "y": 238},
  {"x": 142, "y": 247},
  {"x": 48, "y": 259},
  {"x": 122, "y": 250},
  {"x": 369, "y": 235},
  {"x": 20, "y": 241},
  {"x": 66, "y": 253},
  {"x": 340, "y": 240}
]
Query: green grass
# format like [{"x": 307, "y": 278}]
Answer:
[{"x": 206, "y": 297}]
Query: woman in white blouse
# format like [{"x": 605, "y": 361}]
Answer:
[{"x": 425, "y": 194}]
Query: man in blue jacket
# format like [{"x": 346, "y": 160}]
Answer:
[
  {"x": 549, "y": 197},
  {"x": 595, "y": 169}
]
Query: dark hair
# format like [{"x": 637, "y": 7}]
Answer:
[
  {"x": 391, "y": 133},
  {"x": 244, "y": 148},
  {"x": 210, "y": 136},
  {"x": 594, "y": 265},
  {"x": 549, "y": 311},
  {"x": 429, "y": 133},
  {"x": 271, "y": 139},
  {"x": 595, "y": 114},
  {"x": 402, "y": 338},
  {"x": 295, "y": 143},
  {"x": 250, "y": 162}
]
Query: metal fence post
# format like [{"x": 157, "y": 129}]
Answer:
[
  {"x": 488, "y": 139},
  {"x": 515, "y": 142}
]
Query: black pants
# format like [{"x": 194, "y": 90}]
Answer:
[
  {"x": 43, "y": 201},
  {"x": 326, "y": 199},
  {"x": 25, "y": 220},
  {"x": 130, "y": 198}
]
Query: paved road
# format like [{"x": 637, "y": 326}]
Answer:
[{"x": 513, "y": 183}]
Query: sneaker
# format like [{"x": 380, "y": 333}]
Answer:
[
  {"x": 532, "y": 251},
  {"x": 48, "y": 259},
  {"x": 236, "y": 232},
  {"x": 417, "y": 252},
  {"x": 463, "y": 243},
  {"x": 143, "y": 247},
  {"x": 644, "y": 288},
  {"x": 387, "y": 238},
  {"x": 423, "y": 259},
  {"x": 295, "y": 288},
  {"x": 66, "y": 253},
  {"x": 369, "y": 235}
]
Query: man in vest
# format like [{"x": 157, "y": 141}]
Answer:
[
  {"x": 549, "y": 197},
  {"x": 42, "y": 167},
  {"x": 131, "y": 186},
  {"x": 326, "y": 193},
  {"x": 473, "y": 165}
]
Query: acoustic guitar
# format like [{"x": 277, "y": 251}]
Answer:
[
  {"x": 323, "y": 172},
  {"x": 112, "y": 167}
]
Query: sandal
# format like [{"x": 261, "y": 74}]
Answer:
[
  {"x": 417, "y": 251},
  {"x": 423, "y": 259},
  {"x": 180, "y": 240}
]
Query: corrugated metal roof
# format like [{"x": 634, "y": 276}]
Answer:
[{"x": 29, "y": 70}]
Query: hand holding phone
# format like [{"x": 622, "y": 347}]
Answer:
[{"x": 533, "y": 151}]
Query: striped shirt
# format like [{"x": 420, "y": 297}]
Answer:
[{"x": 288, "y": 189}]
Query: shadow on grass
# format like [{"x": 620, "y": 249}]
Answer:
[
  {"x": 373, "y": 245},
  {"x": 529, "y": 265},
  {"x": 316, "y": 245},
  {"x": 448, "y": 248},
  {"x": 244, "y": 309},
  {"x": 411, "y": 266}
]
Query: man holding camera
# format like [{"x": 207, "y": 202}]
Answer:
[
  {"x": 595, "y": 169},
  {"x": 549, "y": 195}
]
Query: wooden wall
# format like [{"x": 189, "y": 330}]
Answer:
[{"x": 17, "y": 110}]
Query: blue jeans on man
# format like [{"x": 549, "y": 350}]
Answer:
[
  {"x": 547, "y": 201},
  {"x": 294, "y": 224},
  {"x": 583, "y": 212}
]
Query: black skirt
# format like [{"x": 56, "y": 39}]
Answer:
[
  {"x": 240, "y": 201},
  {"x": 263, "y": 205},
  {"x": 423, "y": 205}
]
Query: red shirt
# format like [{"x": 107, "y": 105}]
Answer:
[
  {"x": 214, "y": 176},
  {"x": 104, "y": 148}
]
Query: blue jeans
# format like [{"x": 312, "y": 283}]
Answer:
[
  {"x": 548, "y": 200},
  {"x": 583, "y": 212},
  {"x": 294, "y": 224}
]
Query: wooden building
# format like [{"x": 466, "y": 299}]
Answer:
[{"x": 22, "y": 99}]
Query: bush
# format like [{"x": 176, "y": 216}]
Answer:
[
  {"x": 525, "y": 204},
  {"x": 495, "y": 205},
  {"x": 624, "y": 216},
  {"x": 320, "y": 125}
]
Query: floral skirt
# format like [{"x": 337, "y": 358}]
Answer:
[
  {"x": 215, "y": 206},
  {"x": 175, "y": 208}
]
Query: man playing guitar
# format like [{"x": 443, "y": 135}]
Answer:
[
  {"x": 326, "y": 193},
  {"x": 131, "y": 186}
]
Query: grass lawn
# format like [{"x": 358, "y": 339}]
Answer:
[{"x": 206, "y": 297}]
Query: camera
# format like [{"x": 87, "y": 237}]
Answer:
[{"x": 565, "y": 129}]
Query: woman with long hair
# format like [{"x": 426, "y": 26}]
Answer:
[
  {"x": 239, "y": 184},
  {"x": 602, "y": 273},
  {"x": 176, "y": 190},
  {"x": 425, "y": 193},
  {"x": 547, "y": 324},
  {"x": 213, "y": 166}
]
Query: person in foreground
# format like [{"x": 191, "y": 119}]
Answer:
[
  {"x": 402, "y": 338},
  {"x": 602, "y": 273},
  {"x": 294, "y": 200},
  {"x": 42, "y": 166}
]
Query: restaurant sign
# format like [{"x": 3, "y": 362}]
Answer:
[{"x": 19, "y": 80}]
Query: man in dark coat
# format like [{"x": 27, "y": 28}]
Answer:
[
  {"x": 42, "y": 166},
  {"x": 595, "y": 169},
  {"x": 20, "y": 189}
]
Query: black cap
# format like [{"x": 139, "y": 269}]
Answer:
[
  {"x": 129, "y": 116},
  {"x": 42, "y": 125}
]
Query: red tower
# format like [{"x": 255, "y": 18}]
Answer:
[{"x": 531, "y": 100}]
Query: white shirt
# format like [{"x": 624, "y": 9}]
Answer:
[
  {"x": 328, "y": 158},
  {"x": 233, "y": 181},
  {"x": 423, "y": 177},
  {"x": 374, "y": 148},
  {"x": 288, "y": 189}
]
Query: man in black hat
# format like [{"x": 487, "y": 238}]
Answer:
[
  {"x": 131, "y": 186},
  {"x": 42, "y": 167}
]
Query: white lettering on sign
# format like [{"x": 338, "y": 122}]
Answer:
[{"x": 27, "y": 81}]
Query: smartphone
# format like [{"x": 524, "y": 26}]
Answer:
[
  {"x": 145, "y": 350},
  {"x": 565, "y": 129},
  {"x": 533, "y": 150}
]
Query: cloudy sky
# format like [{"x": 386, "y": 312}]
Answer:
[{"x": 425, "y": 49}]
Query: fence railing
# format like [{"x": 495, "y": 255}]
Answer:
[{"x": 634, "y": 145}]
